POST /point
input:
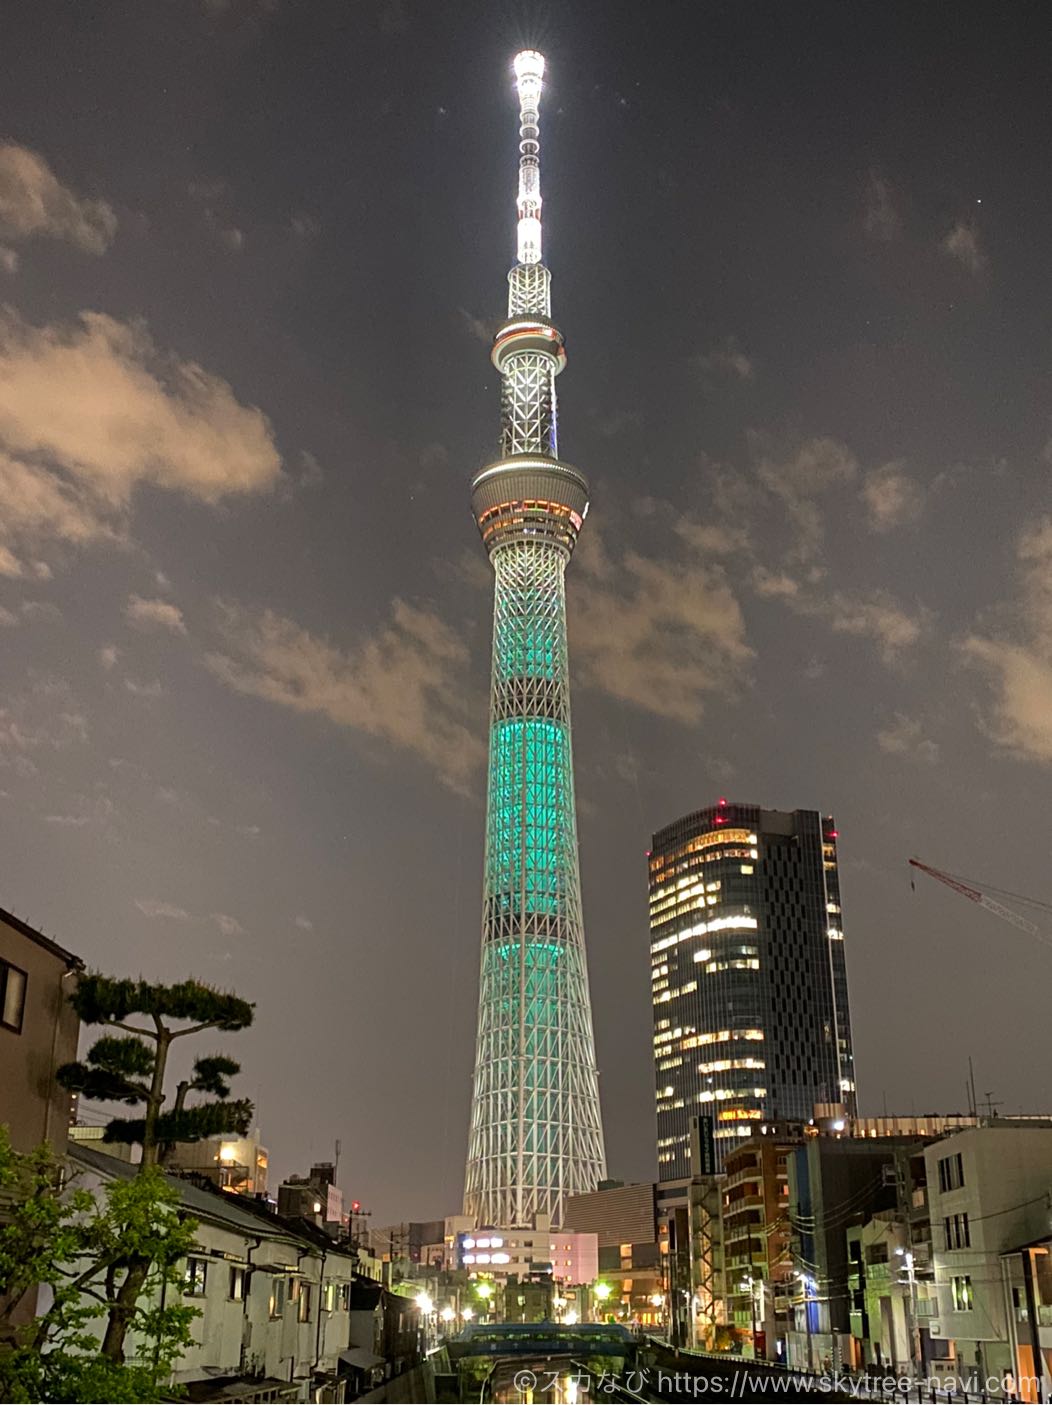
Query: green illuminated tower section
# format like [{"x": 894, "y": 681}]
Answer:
[{"x": 536, "y": 1134}]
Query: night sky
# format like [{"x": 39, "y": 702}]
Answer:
[{"x": 250, "y": 257}]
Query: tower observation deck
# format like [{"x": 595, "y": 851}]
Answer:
[{"x": 536, "y": 1134}]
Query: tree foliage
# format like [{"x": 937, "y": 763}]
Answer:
[
  {"x": 76, "y": 1248},
  {"x": 130, "y": 1068}
]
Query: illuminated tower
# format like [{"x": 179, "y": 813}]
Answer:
[{"x": 536, "y": 1135}]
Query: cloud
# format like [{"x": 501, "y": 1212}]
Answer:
[
  {"x": 730, "y": 359},
  {"x": 154, "y": 614},
  {"x": 44, "y": 717},
  {"x": 880, "y": 218},
  {"x": 37, "y": 504},
  {"x": 108, "y": 656},
  {"x": 35, "y": 204},
  {"x": 713, "y": 538},
  {"x": 154, "y": 907},
  {"x": 85, "y": 812},
  {"x": 904, "y": 736},
  {"x": 892, "y": 498},
  {"x": 304, "y": 923},
  {"x": 228, "y": 926},
  {"x": 654, "y": 633},
  {"x": 91, "y": 410},
  {"x": 98, "y": 400},
  {"x": 877, "y": 616},
  {"x": 8, "y": 259},
  {"x": 41, "y": 610},
  {"x": 153, "y": 689},
  {"x": 816, "y": 467},
  {"x": 1019, "y": 666},
  {"x": 305, "y": 226},
  {"x": 230, "y": 237},
  {"x": 480, "y": 328},
  {"x": 402, "y": 686},
  {"x": 963, "y": 244}
]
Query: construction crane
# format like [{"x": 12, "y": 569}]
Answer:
[{"x": 982, "y": 896}]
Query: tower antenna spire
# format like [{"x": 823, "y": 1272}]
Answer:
[
  {"x": 529, "y": 76},
  {"x": 536, "y": 1132}
]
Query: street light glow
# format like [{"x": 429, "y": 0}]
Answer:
[{"x": 424, "y": 1303}]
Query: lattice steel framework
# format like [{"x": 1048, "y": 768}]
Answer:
[{"x": 536, "y": 1134}]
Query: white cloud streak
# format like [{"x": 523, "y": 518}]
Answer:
[
  {"x": 154, "y": 614},
  {"x": 35, "y": 204},
  {"x": 403, "y": 685}
]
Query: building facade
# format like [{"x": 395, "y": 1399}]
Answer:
[
  {"x": 561, "y": 1255},
  {"x": 758, "y": 1258},
  {"x": 274, "y": 1297},
  {"x": 624, "y": 1220},
  {"x": 237, "y": 1164},
  {"x": 536, "y": 1134},
  {"x": 39, "y": 1031},
  {"x": 748, "y": 971},
  {"x": 990, "y": 1199}
]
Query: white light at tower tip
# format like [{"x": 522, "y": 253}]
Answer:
[{"x": 529, "y": 70}]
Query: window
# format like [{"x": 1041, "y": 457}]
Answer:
[
  {"x": 955, "y": 1228},
  {"x": 328, "y": 1300},
  {"x": 195, "y": 1276},
  {"x": 237, "y": 1284},
  {"x": 304, "y": 1303},
  {"x": 951, "y": 1172},
  {"x": 345, "y": 1297},
  {"x": 961, "y": 1288},
  {"x": 277, "y": 1297},
  {"x": 12, "y": 997}
]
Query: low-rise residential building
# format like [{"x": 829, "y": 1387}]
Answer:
[
  {"x": 990, "y": 1202},
  {"x": 890, "y": 1275},
  {"x": 275, "y": 1296},
  {"x": 315, "y": 1197},
  {"x": 1027, "y": 1274},
  {"x": 39, "y": 1031},
  {"x": 834, "y": 1182},
  {"x": 758, "y": 1262},
  {"x": 236, "y": 1164}
]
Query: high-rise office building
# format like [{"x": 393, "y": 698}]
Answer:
[
  {"x": 749, "y": 978},
  {"x": 536, "y": 1135}
]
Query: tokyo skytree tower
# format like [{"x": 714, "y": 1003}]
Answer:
[{"x": 536, "y": 1134}]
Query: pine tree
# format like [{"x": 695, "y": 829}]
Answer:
[{"x": 130, "y": 1068}]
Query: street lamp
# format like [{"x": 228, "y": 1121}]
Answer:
[
  {"x": 467, "y": 1313},
  {"x": 485, "y": 1292},
  {"x": 601, "y": 1292}
]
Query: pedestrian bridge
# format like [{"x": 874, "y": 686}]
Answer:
[{"x": 538, "y": 1361}]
